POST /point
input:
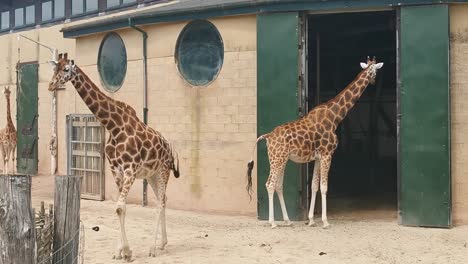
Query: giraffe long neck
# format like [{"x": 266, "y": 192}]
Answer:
[
  {"x": 101, "y": 105},
  {"x": 342, "y": 103},
  {"x": 9, "y": 121}
]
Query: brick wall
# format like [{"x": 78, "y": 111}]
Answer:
[
  {"x": 459, "y": 111},
  {"x": 213, "y": 128}
]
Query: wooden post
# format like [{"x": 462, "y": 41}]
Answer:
[
  {"x": 67, "y": 219},
  {"x": 17, "y": 230}
]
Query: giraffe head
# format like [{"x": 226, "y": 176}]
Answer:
[
  {"x": 64, "y": 70},
  {"x": 7, "y": 92},
  {"x": 371, "y": 67}
]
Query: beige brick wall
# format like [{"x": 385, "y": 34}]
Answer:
[
  {"x": 459, "y": 111},
  {"x": 29, "y": 52},
  {"x": 213, "y": 128}
]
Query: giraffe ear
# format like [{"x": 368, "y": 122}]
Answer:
[
  {"x": 379, "y": 65},
  {"x": 364, "y": 65}
]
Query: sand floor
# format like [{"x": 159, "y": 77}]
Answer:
[{"x": 360, "y": 237}]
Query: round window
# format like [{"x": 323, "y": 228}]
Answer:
[
  {"x": 199, "y": 52},
  {"x": 112, "y": 62}
]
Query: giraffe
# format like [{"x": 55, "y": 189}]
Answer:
[
  {"x": 8, "y": 136},
  {"x": 133, "y": 149},
  {"x": 309, "y": 138}
]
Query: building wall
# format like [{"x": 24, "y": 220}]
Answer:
[
  {"x": 459, "y": 111},
  {"x": 30, "y": 52},
  {"x": 213, "y": 128}
]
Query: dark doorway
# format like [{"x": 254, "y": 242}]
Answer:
[{"x": 363, "y": 174}]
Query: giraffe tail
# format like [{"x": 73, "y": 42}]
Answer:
[
  {"x": 174, "y": 165},
  {"x": 250, "y": 166}
]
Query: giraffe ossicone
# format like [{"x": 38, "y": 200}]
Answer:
[
  {"x": 133, "y": 149},
  {"x": 311, "y": 138}
]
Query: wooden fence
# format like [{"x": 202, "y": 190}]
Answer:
[
  {"x": 55, "y": 235},
  {"x": 17, "y": 227}
]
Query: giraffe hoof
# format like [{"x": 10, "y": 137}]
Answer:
[
  {"x": 273, "y": 226},
  {"x": 287, "y": 223},
  {"x": 312, "y": 223},
  {"x": 124, "y": 253},
  {"x": 326, "y": 226},
  {"x": 152, "y": 252}
]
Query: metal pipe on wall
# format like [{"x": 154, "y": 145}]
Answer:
[{"x": 145, "y": 93}]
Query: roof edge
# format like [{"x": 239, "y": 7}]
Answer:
[{"x": 241, "y": 8}]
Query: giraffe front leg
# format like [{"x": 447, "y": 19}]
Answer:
[
  {"x": 324, "y": 168},
  {"x": 314, "y": 189},
  {"x": 123, "y": 251}
]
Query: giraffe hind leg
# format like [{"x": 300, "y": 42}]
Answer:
[
  {"x": 279, "y": 192},
  {"x": 314, "y": 189},
  {"x": 158, "y": 183},
  {"x": 325, "y": 163},
  {"x": 277, "y": 166}
]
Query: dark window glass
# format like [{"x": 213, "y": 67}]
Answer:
[
  {"x": 91, "y": 5},
  {"x": 77, "y": 7},
  {"x": 5, "y": 23},
  {"x": 47, "y": 11},
  {"x": 128, "y": 1},
  {"x": 112, "y": 61},
  {"x": 199, "y": 52},
  {"x": 30, "y": 15},
  {"x": 19, "y": 17},
  {"x": 59, "y": 8}
]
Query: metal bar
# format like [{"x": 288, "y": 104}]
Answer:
[
  {"x": 317, "y": 90},
  {"x": 85, "y": 170},
  {"x": 398, "y": 109}
]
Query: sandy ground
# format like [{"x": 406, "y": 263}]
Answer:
[{"x": 358, "y": 237}]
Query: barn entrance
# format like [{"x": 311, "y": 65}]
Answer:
[{"x": 363, "y": 175}]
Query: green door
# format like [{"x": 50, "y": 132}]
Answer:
[
  {"x": 425, "y": 118},
  {"x": 26, "y": 115},
  {"x": 277, "y": 102}
]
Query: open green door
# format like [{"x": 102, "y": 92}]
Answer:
[
  {"x": 26, "y": 114},
  {"x": 425, "y": 118},
  {"x": 277, "y": 102}
]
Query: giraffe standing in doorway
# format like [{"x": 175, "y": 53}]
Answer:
[
  {"x": 309, "y": 138},
  {"x": 134, "y": 150},
  {"x": 8, "y": 138}
]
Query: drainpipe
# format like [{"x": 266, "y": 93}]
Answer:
[{"x": 145, "y": 93}]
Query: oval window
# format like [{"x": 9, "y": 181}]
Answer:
[
  {"x": 112, "y": 62},
  {"x": 199, "y": 52}
]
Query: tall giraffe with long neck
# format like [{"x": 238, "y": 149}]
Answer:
[
  {"x": 8, "y": 137},
  {"x": 134, "y": 150},
  {"x": 309, "y": 138}
]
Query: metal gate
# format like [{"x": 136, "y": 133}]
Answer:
[{"x": 85, "y": 151}]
